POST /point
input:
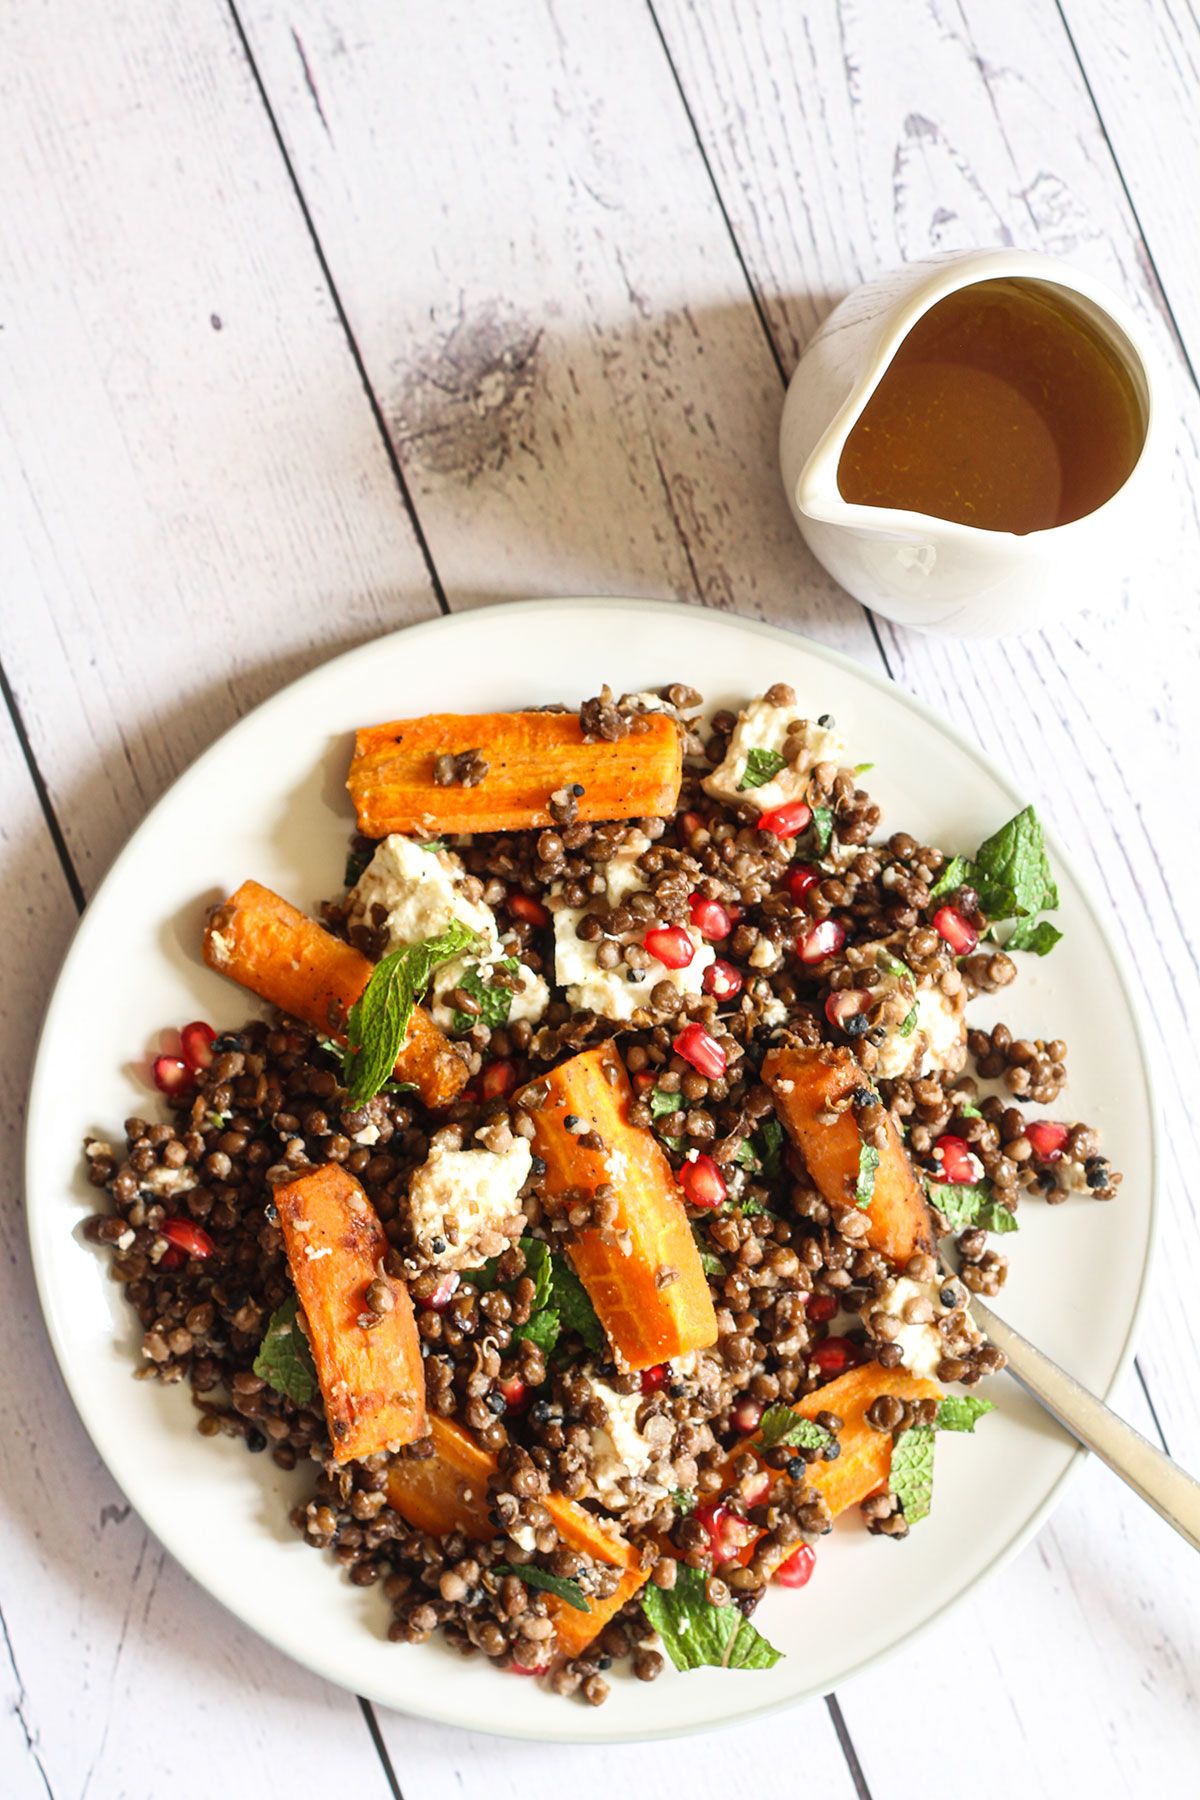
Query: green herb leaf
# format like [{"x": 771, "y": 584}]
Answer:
[
  {"x": 1013, "y": 862},
  {"x": 709, "y": 1262},
  {"x": 1038, "y": 937},
  {"x": 683, "y": 1500},
  {"x": 379, "y": 1019},
  {"x": 957, "y": 873},
  {"x": 861, "y": 768},
  {"x": 780, "y": 1425},
  {"x": 750, "y": 1208},
  {"x": 908, "y": 1023},
  {"x": 820, "y": 831},
  {"x": 768, "y": 1140},
  {"x": 574, "y": 1307},
  {"x": 559, "y": 1585},
  {"x": 892, "y": 965},
  {"x": 433, "y": 845},
  {"x": 697, "y": 1635},
  {"x": 911, "y": 1478},
  {"x": 959, "y": 1412},
  {"x": 662, "y": 1103},
  {"x": 868, "y": 1162},
  {"x": 745, "y": 1157},
  {"x": 971, "y": 1203},
  {"x": 284, "y": 1360},
  {"x": 968, "y": 1111},
  {"x": 495, "y": 1002},
  {"x": 761, "y": 766}
]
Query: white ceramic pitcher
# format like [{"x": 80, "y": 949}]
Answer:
[{"x": 930, "y": 573}]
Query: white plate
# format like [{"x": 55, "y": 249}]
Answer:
[{"x": 268, "y": 801}]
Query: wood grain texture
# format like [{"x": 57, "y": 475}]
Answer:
[
  {"x": 118, "y": 1676},
  {"x": 193, "y": 479},
  {"x": 547, "y": 302}
]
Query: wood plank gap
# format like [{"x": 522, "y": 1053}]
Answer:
[
  {"x": 1162, "y": 1436},
  {"x": 861, "y": 1785},
  {"x": 19, "y": 1706},
  {"x": 43, "y": 793},
  {"x": 381, "y": 425},
  {"x": 1151, "y": 262},
  {"x": 381, "y": 1749}
]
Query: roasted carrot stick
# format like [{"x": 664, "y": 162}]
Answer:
[
  {"x": 644, "y": 1275},
  {"x": 448, "y": 1491},
  {"x": 808, "y": 1082},
  {"x": 529, "y": 756},
  {"x": 281, "y": 956},
  {"x": 372, "y": 1377}
]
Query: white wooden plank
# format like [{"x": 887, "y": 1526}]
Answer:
[
  {"x": 844, "y": 142},
  {"x": 1141, "y": 60},
  {"x": 197, "y": 502},
  {"x": 547, "y": 303},
  {"x": 118, "y": 1675}
]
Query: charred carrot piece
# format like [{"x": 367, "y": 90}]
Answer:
[
  {"x": 529, "y": 756},
  {"x": 644, "y": 1276},
  {"x": 372, "y": 1377},
  {"x": 448, "y": 1491},
  {"x": 807, "y": 1083},
  {"x": 270, "y": 948}
]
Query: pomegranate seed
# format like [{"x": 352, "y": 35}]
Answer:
[
  {"x": 958, "y": 932},
  {"x": 699, "y": 1048},
  {"x": 514, "y": 1391},
  {"x": 788, "y": 820},
  {"x": 671, "y": 945},
  {"x": 703, "y": 1182},
  {"x": 755, "y": 1488},
  {"x": 690, "y": 823},
  {"x": 197, "y": 1040},
  {"x": 514, "y": 1668},
  {"x": 797, "y": 1570},
  {"x": 728, "y": 1533},
  {"x": 187, "y": 1236},
  {"x": 710, "y": 918},
  {"x": 825, "y": 939},
  {"x": 172, "y": 1258},
  {"x": 444, "y": 1292},
  {"x": 172, "y": 1075},
  {"x": 643, "y": 1081},
  {"x": 653, "y": 1379},
  {"x": 821, "y": 1308},
  {"x": 958, "y": 1164},
  {"x": 846, "y": 1006},
  {"x": 498, "y": 1079},
  {"x": 722, "y": 980},
  {"x": 525, "y": 907},
  {"x": 833, "y": 1355},
  {"x": 1046, "y": 1139},
  {"x": 801, "y": 877},
  {"x": 747, "y": 1417}
]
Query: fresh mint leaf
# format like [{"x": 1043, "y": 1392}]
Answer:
[
  {"x": 908, "y": 1023},
  {"x": 379, "y": 1019},
  {"x": 957, "y": 873},
  {"x": 544, "y": 1323},
  {"x": 861, "y": 768},
  {"x": 683, "y": 1500},
  {"x": 959, "y": 1412},
  {"x": 662, "y": 1103},
  {"x": 892, "y": 965},
  {"x": 750, "y": 1208},
  {"x": 970, "y": 1203},
  {"x": 698, "y": 1635},
  {"x": 284, "y": 1360},
  {"x": 745, "y": 1157},
  {"x": 817, "y": 837},
  {"x": 768, "y": 1140},
  {"x": 868, "y": 1163},
  {"x": 709, "y": 1262},
  {"x": 1013, "y": 862},
  {"x": 433, "y": 845},
  {"x": 782, "y": 1426},
  {"x": 574, "y": 1307},
  {"x": 1039, "y": 937},
  {"x": 761, "y": 766},
  {"x": 558, "y": 1585},
  {"x": 967, "y": 1111},
  {"x": 495, "y": 1001},
  {"x": 911, "y": 1478}
]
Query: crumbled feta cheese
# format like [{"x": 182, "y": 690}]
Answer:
[
  {"x": 935, "y": 1040},
  {"x": 367, "y": 1136},
  {"x": 164, "y": 1182},
  {"x": 463, "y": 1206},
  {"x": 619, "y": 1451},
  {"x": 774, "y": 1013},
  {"x": 762, "y": 726},
  {"x": 907, "y": 1315},
  {"x": 617, "y": 993},
  {"x": 220, "y": 949},
  {"x": 942, "y": 1023},
  {"x": 764, "y": 955}
]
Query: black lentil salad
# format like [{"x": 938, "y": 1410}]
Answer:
[{"x": 771, "y": 908}]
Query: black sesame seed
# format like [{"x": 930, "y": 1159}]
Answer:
[
  {"x": 255, "y": 1441},
  {"x": 571, "y": 1121},
  {"x": 796, "y": 1468},
  {"x": 577, "y": 788},
  {"x": 862, "y": 1096},
  {"x": 1097, "y": 1178},
  {"x": 496, "y": 1403},
  {"x": 947, "y": 1296},
  {"x": 825, "y": 721},
  {"x": 876, "y": 1034},
  {"x": 439, "y": 1246},
  {"x": 857, "y": 1025},
  {"x": 228, "y": 1040},
  {"x": 538, "y": 1165}
]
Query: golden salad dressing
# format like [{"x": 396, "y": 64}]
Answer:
[{"x": 1003, "y": 408}]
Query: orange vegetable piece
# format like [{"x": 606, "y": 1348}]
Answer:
[
  {"x": 529, "y": 755},
  {"x": 646, "y": 1322},
  {"x": 448, "y": 1491},
  {"x": 805, "y": 1083},
  {"x": 291, "y": 961},
  {"x": 372, "y": 1378}
]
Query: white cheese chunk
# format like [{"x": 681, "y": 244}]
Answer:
[
  {"x": 922, "y": 1346},
  {"x": 164, "y": 1183},
  {"x": 762, "y": 726},
  {"x": 942, "y": 1023},
  {"x": 619, "y": 1451},
  {"x": 465, "y": 1201},
  {"x": 617, "y": 993}
]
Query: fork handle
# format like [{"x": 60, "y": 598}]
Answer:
[{"x": 1170, "y": 1490}]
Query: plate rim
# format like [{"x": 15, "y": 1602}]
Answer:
[{"x": 447, "y": 624}]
